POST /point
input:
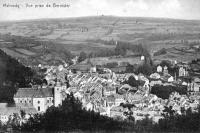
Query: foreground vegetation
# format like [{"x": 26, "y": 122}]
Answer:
[
  {"x": 71, "y": 116},
  {"x": 13, "y": 75}
]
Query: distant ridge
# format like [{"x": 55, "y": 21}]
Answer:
[{"x": 104, "y": 16}]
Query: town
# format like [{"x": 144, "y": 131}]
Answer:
[{"x": 109, "y": 92}]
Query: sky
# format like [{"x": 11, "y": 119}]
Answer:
[{"x": 178, "y": 9}]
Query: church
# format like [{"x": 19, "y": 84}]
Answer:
[{"x": 41, "y": 98}]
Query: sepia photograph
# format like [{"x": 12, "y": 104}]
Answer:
[{"x": 99, "y": 66}]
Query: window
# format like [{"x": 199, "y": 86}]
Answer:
[
  {"x": 30, "y": 101},
  {"x": 38, "y": 108},
  {"x": 38, "y": 102},
  {"x": 25, "y": 101},
  {"x": 47, "y": 101},
  {"x": 20, "y": 101}
]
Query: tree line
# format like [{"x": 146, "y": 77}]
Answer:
[{"x": 119, "y": 50}]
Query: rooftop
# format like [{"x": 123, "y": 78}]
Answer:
[{"x": 34, "y": 92}]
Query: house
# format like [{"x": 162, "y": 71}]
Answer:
[
  {"x": 184, "y": 83},
  {"x": 155, "y": 76},
  {"x": 142, "y": 58},
  {"x": 102, "y": 111},
  {"x": 170, "y": 79},
  {"x": 131, "y": 98},
  {"x": 108, "y": 90},
  {"x": 195, "y": 86},
  {"x": 155, "y": 82},
  {"x": 89, "y": 106},
  {"x": 119, "y": 99},
  {"x": 159, "y": 69},
  {"x": 110, "y": 101},
  {"x": 93, "y": 69},
  {"x": 183, "y": 71},
  {"x": 165, "y": 71},
  {"x": 78, "y": 95},
  {"x": 125, "y": 88}
]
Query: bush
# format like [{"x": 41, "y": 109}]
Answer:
[{"x": 160, "y": 52}]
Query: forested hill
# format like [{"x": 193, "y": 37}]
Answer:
[{"x": 12, "y": 75}]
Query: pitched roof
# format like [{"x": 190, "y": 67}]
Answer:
[
  {"x": 126, "y": 86},
  {"x": 34, "y": 92},
  {"x": 48, "y": 92},
  {"x": 38, "y": 94},
  {"x": 110, "y": 98},
  {"x": 25, "y": 92}
]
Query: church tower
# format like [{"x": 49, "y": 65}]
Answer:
[{"x": 57, "y": 95}]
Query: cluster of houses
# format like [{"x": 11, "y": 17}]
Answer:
[{"x": 106, "y": 93}]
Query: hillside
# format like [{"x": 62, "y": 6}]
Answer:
[
  {"x": 13, "y": 75},
  {"x": 91, "y": 34}
]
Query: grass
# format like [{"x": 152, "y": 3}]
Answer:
[{"x": 105, "y": 60}]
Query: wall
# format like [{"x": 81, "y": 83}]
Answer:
[{"x": 41, "y": 104}]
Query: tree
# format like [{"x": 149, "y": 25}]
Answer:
[
  {"x": 82, "y": 56},
  {"x": 130, "y": 68},
  {"x": 14, "y": 121},
  {"x": 22, "y": 114},
  {"x": 132, "y": 82},
  {"x": 168, "y": 112},
  {"x": 160, "y": 52},
  {"x": 145, "y": 125},
  {"x": 111, "y": 64},
  {"x": 164, "y": 91},
  {"x": 145, "y": 69}
]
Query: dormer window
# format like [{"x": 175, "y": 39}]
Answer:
[{"x": 38, "y": 102}]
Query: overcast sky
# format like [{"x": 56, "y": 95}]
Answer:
[{"x": 180, "y": 9}]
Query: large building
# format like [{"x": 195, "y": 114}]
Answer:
[{"x": 39, "y": 97}]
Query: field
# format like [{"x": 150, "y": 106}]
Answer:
[
  {"x": 119, "y": 60},
  {"x": 83, "y": 34}
]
